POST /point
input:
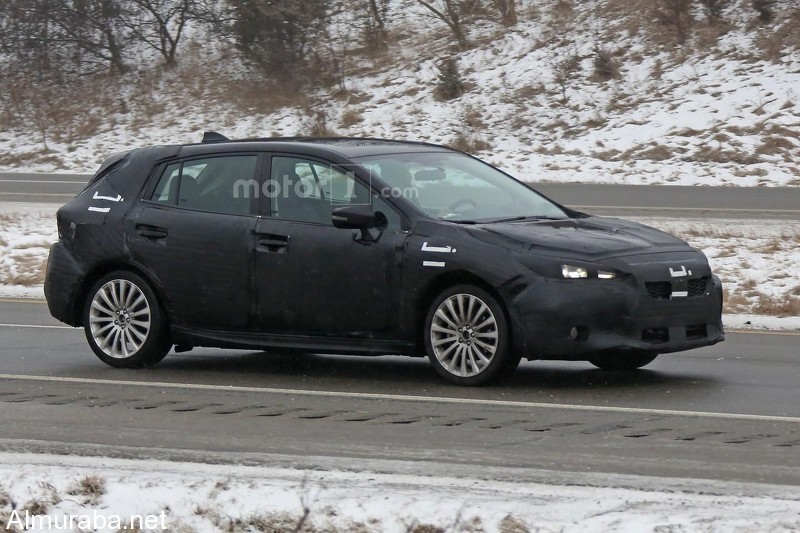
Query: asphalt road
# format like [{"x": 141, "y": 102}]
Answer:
[
  {"x": 729, "y": 412},
  {"x": 632, "y": 200}
]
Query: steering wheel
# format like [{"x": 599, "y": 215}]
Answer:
[{"x": 461, "y": 202}]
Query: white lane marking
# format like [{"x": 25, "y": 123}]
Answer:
[
  {"x": 757, "y": 332},
  {"x": 99, "y": 209},
  {"x": 437, "y": 264},
  {"x": 71, "y": 195},
  {"x": 657, "y": 208},
  {"x": 403, "y": 398},
  {"x": 34, "y": 326},
  {"x": 44, "y": 181}
]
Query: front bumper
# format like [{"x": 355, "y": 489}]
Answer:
[
  {"x": 62, "y": 285},
  {"x": 573, "y": 319}
]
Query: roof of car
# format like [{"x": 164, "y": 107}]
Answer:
[{"x": 349, "y": 147}]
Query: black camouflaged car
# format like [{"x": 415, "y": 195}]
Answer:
[{"x": 364, "y": 246}]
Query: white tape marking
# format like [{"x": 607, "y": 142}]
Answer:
[
  {"x": 436, "y": 249},
  {"x": 109, "y": 198}
]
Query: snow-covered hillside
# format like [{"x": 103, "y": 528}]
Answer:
[{"x": 721, "y": 108}]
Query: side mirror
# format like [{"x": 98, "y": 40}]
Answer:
[{"x": 360, "y": 217}]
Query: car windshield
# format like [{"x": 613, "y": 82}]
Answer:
[{"x": 458, "y": 188}]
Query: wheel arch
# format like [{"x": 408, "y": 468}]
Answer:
[
  {"x": 100, "y": 270},
  {"x": 443, "y": 282}
]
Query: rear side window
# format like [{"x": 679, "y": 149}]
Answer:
[{"x": 221, "y": 184}]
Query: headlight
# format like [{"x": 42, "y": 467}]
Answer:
[{"x": 574, "y": 272}]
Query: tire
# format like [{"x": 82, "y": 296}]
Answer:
[
  {"x": 622, "y": 360},
  {"x": 124, "y": 323},
  {"x": 467, "y": 337}
]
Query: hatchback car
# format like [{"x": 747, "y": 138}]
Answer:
[{"x": 364, "y": 246}]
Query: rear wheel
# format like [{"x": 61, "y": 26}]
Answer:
[
  {"x": 467, "y": 337},
  {"x": 622, "y": 360},
  {"x": 124, "y": 323}
]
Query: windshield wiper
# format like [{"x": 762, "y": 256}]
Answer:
[{"x": 526, "y": 217}]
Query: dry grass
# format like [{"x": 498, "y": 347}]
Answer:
[
  {"x": 654, "y": 153},
  {"x": 350, "y": 118},
  {"x": 776, "y": 145},
  {"x": 771, "y": 247},
  {"x": 92, "y": 487},
  {"x": 511, "y": 524},
  {"x": 470, "y": 144},
  {"x": 35, "y": 507},
  {"x": 426, "y": 528},
  {"x": 734, "y": 301},
  {"x": 31, "y": 270},
  {"x": 787, "y": 306}
]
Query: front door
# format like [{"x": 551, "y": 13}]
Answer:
[
  {"x": 195, "y": 232},
  {"x": 313, "y": 278}
]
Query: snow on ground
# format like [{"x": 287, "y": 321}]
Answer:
[{"x": 199, "y": 497}]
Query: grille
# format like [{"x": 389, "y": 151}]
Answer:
[
  {"x": 697, "y": 287},
  {"x": 662, "y": 290}
]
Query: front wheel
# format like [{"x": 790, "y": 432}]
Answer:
[
  {"x": 622, "y": 360},
  {"x": 124, "y": 323},
  {"x": 467, "y": 337}
]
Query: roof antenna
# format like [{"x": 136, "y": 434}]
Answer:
[{"x": 214, "y": 137}]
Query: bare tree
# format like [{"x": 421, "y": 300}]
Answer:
[
  {"x": 506, "y": 11},
  {"x": 456, "y": 14},
  {"x": 676, "y": 13},
  {"x": 280, "y": 35},
  {"x": 94, "y": 27},
  {"x": 160, "y": 24},
  {"x": 566, "y": 67},
  {"x": 713, "y": 9},
  {"x": 375, "y": 15},
  {"x": 764, "y": 9},
  {"x": 25, "y": 38}
]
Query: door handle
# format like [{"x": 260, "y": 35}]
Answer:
[
  {"x": 151, "y": 232},
  {"x": 273, "y": 243}
]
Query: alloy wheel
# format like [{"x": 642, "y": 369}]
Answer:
[
  {"x": 119, "y": 318},
  {"x": 464, "y": 335}
]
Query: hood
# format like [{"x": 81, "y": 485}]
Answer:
[{"x": 590, "y": 237}]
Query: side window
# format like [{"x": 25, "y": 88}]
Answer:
[
  {"x": 223, "y": 184},
  {"x": 309, "y": 191},
  {"x": 393, "y": 217},
  {"x": 167, "y": 189}
]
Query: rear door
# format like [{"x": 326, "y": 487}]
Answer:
[{"x": 195, "y": 233}]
